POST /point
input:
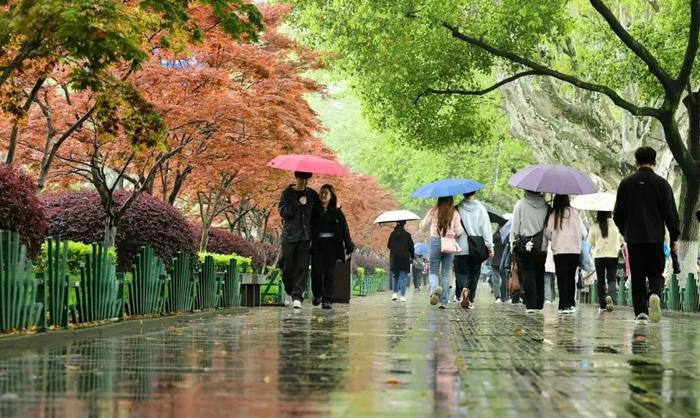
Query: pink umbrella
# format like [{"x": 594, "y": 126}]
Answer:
[{"x": 309, "y": 164}]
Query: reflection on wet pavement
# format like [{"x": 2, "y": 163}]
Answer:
[{"x": 371, "y": 358}]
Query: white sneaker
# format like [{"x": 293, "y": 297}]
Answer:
[
  {"x": 288, "y": 300},
  {"x": 498, "y": 300},
  {"x": 403, "y": 299},
  {"x": 654, "y": 308},
  {"x": 547, "y": 302},
  {"x": 531, "y": 311},
  {"x": 296, "y": 304},
  {"x": 601, "y": 310},
  {"x": 572, "y": 310},
  {"x": 394, "y": 296},
  {"x": 642, "y": 317}
]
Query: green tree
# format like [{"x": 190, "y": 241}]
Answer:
[
  {"x": 427, "y": 68},
  {"x": 404, "y": 167}
]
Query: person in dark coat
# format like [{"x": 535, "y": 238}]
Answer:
[
  {"x": 401, "y": 255},
  {"x": 496, "y": 273},
  {"x": 331, "y": 244},
  {"x": 644, "y": 208},
  {"x": 297, "y": 206}
]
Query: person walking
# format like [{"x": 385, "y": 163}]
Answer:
[
  {"x": 444, "y": 224},
  {"x": 497, "y": 276},
  {"x": 401, "y": 255},
  {"x": 645, "y": 206},
  {"x": 297, "y": 206},
  {"x": 549, "y": 276},
  {"x": 606, "y": 241},
  {"x": 477, "y": 229},
  {"x": 417, "y": 270},
  {"x": 566, "y": 233},
  {"x": 331, "y": 244},
  {"x": 529, "y": 248}
]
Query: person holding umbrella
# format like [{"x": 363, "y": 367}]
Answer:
[
  {"x": 529, "y": 249},
  {"x": 476, "y": 246},
  {"x": 566, "y": 232},
  {"x": 401, "y": 254},
  {"x": 298, "y": 205},
  {"x": 330, "y": 244},
  {"x": 444, "y": 224}
]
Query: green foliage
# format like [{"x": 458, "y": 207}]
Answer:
[
  {"x": 221, "y": 261},
  {"x": 394, "y": 50},
  {"x": 379, "y": 272},
  {"x": 76, "y": 257},
  {"x": 403, "y": 167},
  {"x": 361, "y": 272},
  {"x": 121, "y": 107}
]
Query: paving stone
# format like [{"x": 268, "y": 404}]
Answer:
[{"x": 372, "y": 358}]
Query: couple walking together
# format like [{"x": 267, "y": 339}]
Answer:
[
  {"x": 314, "y": 229},
  {"x": 460, "y": 238}
]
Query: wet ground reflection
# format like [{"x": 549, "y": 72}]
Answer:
[{"x": 372, "y": 358}]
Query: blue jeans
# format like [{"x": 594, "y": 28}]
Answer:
[
  {"x": 438, "y": 260},
  {"x": 399, "y": 281}
]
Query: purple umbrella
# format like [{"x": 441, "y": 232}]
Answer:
[{"x": 557, "y": 179}]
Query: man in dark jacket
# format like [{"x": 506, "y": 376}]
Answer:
[
  {"x": 298, "y": 205},
  {"x": 401, "y": 254},
  {"x": 645, "y": 207}
]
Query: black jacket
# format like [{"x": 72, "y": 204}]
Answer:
[
  {"x": 343, "y": 241},
  {"x": 644, "y": 205},
  {"x": 401, "y": 250},
  {"x": 296, "y": 218},
  {"x": 497, "y": 249}
]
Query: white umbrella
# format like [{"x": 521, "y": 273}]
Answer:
[
  {"x": 603, "y": 201},
  {"x": 395, "y": 216}
]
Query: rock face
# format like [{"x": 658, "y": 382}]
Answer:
[{"x": 564, "y": 125}]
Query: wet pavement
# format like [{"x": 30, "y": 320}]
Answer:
[{"x": 373, "y": 358}]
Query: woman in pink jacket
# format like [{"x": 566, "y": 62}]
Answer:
[
  {"x": 566, "y": 233},
  {"x": 443, "y": 221}
]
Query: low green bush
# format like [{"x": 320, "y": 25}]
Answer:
[
  {"x": 360, "y": 272},
  {"x": 221, "y": 261},
  {"x": 76, "y": 256},
  {"x": 379, "y": 272}
]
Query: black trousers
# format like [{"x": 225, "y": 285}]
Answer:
[
  {"x": 565, "y": 267},
  {"x": 295, "y": 267},
  {"x": 606, "y": 270},
  {"x": 531, "y": 270},
  {"x": 647, "y": 261},
  {"x": 323, "y": 262},
  {"x": 467, "y": 273}
]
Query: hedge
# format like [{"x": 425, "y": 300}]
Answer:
[
  {"x": 20, "y": 208},
  {"x": 221, "y": 261}
]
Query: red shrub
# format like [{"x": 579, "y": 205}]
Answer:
[
  {"x": 79, "y": 216},
  {"x": 20, "y": 208}
]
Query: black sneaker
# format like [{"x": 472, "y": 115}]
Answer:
[
  {"x": 327, "y": 305},
  {"x": 317, "y": 301}
]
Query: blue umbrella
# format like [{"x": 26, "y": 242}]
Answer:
[
  {"x": 448, "y": 187},
  {"x": 421, "y": 248},
  {"x": 505, "y": 231}
]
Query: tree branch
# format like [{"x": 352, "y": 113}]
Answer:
[
  {"x": 462, "y": 92},
  {"x": 15, "y": 128},
  {"x": 639, "y": 50},
  {"x": 693, "y": 43},
  {"x": 599, "y": 88}
]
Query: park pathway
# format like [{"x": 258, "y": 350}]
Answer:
[{"x": 372, "y": 358}]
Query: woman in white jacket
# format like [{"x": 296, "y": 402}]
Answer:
[
  {"x": 606, "y": 242},
  {"x": 444, "y": 222}
]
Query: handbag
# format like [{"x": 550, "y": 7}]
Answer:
[
  {"x": 448, "y": 245},
  {"x": 477, "y": 246},
  {"x": 514, "y": 282}
]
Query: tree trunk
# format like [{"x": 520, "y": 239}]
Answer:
[
  {"x": 110, "y": 237},
  {"x": 205, "y": 236}
]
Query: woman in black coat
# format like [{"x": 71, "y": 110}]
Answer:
[
  {"x": 401, "y": 254},
  {"x": 330, "y": 243}
]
